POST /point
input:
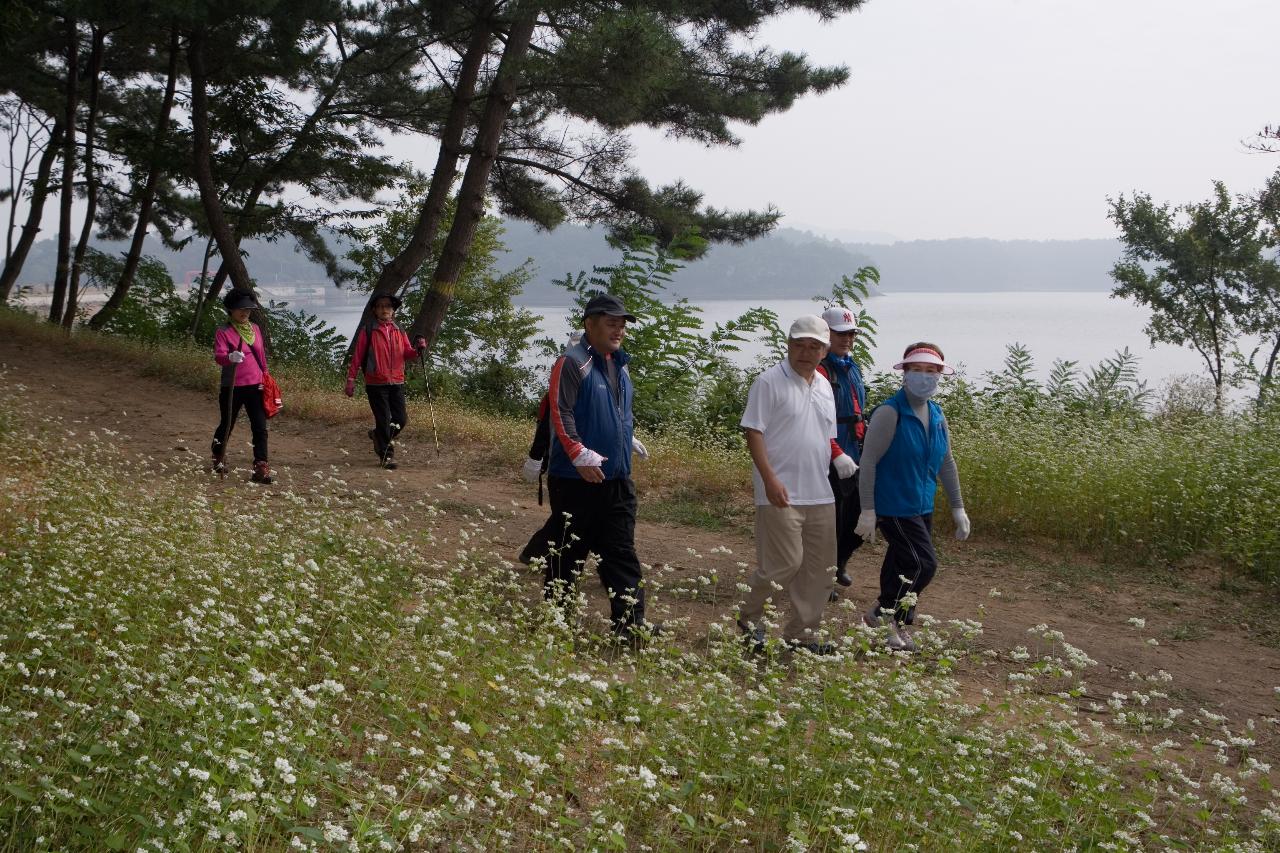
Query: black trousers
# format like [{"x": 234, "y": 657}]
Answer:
[
  {"x": 910, "y": 555},
  {"x": 549, "y": 536},
  {"x": 602, "y": 521},
  {"x": 248, "y": 397},
  {"x": 848, "y": 505},
  {"x": 389, "y": 416}
]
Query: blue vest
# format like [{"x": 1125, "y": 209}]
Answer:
[
  {"x": 907, "y": 474},
  {"x": 604, "y": 423},
  {"x": 844, "y": 382}
]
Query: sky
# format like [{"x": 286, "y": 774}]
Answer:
[{"x": 1009, "y": 119}]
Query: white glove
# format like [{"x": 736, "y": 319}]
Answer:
[
  {"x": 639, "y": 448},
  {"x": 531, "y": 469},
  {"x": 235, "y": 357},
  {"x": 961, "y": 518},
  {"x": 845, "y": 466},
  {"x": 866, "y": 526},
  {"x": 588, "y": 458}
]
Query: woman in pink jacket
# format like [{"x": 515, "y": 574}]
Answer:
[
  {"x": 239, "y": 349},
  {"x": 381, "y": 351}
]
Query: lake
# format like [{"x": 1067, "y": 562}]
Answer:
[{"x": 972, "y": 328}]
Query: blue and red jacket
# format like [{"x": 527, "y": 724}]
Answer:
[
  {"x": 586, "y": 412},
  {"x": 850, "y": 393}
]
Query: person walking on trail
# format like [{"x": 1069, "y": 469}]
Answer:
[
  {"x": 238, "y": 348},
  {"x": 381, "y": 351},
  {"x": 789, "y": 422},
  {"x": 589, "y": 474},
  {"x": 850, "y": 392},
  {"x": 535, "y": 465},
  {"x": 906, "y": 453}
]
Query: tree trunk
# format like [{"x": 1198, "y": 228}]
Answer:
[
  {"x": 134, "y": 255},
  {"x": 200, "y": 302},
  {"x": 210, "y": 293},
  {"x": 63, "y": 272},
  {"x": 202, "y": 156},
  {"x": 90, "y": 178},
  {"x": 399, "y": 271},
  {"x": 202, "y": 161},
  {"x": 470, "y": 207},
  {"x": 35, "y": 212}
]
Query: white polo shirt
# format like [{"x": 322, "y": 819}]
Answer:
[{"x": 798, "y": 421}]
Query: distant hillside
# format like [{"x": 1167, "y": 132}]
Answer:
[
  {"x": 791, "y": 263},
  {"x": 787, "y": 264}
]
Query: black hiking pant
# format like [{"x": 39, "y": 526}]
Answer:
[
  {"x": 248, "y": 397},
  {"x": 910, "y": 555},
  {"x": 549, "y": 536},
  {"x": 389, "y": 416},
  {"x": 603, "y": 522},
  {"x": 848, "y": 506}
]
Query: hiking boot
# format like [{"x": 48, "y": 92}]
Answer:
[
  {"x": 389, "y": 464},
  {"x": 893, "y": 639},
  {"x": 812, "y": 647},
  {"x": 833, "y": 595},
  {"x": 219, "y": 464},
  {"x": 262, "y": 473},
  {"x": 872, "y": 617},
  {"x": 842, "y": 577},
  {"x": 752, "y": 636}
]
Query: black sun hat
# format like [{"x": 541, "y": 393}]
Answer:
[
  {"x": 239, "y": 299},
  {"x": 396, "y": 301}
]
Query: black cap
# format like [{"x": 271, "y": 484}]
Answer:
[
  {"x": 238, "y": 299},
  {"x": 607, "y": 303},
  {"x": 396, "y": 301}
]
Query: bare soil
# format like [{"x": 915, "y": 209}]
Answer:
[{"x": 1213, "y": 631}]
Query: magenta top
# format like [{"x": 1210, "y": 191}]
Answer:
[{"x": 228, "y": 340}]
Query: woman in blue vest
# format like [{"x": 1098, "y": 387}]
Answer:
[{"x": 905, "y": 454}]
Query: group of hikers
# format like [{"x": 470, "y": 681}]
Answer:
[{"x": 826, "y": 473}]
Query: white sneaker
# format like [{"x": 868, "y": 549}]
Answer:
[{"x": 904, "y": 637}]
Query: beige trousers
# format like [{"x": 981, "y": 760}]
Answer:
[{"x": 795, "y": 549}]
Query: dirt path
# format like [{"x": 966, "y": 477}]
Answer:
[{"x": 1193, "y": 628}]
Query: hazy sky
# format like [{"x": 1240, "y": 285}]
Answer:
[{"x": 1003, "y": 118}]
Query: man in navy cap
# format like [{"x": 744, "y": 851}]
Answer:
[{"x": 589, "y": 475}]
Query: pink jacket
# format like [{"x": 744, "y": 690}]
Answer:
[{"x": 228, "y": 340}]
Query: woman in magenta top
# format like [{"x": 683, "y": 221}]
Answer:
[{"x": 239, "y": 349}]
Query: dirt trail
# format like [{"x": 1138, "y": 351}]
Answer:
[{"x": 1216, "y": 660}]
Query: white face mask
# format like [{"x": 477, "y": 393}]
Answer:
[{"x": 920, "y": 383}]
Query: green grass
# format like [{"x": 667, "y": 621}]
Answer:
[{"x": 190, "y": 666}]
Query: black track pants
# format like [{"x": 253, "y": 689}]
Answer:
[
  {"x": 248, "y": 397},
  {"x": 847, "y": 508},
  {"x": 389, "y": 416},
  {"x": 603, "y": 520},
  {"x": 910, "y": 555}
]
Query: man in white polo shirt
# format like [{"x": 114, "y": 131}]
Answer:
[{"x": 789, "y": 423}]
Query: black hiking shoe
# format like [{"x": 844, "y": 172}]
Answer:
[
  {"x": 812, "y": 647},
  {"x": 842, "y": 578},
  {"x": 389, "y": 464},
  {"x": 752, "y": 637}
]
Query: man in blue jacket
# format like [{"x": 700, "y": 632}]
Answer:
[
  {"x": 589, "y": 473},
  {"x": 850, "y": 392}
]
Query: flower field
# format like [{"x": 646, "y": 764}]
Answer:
[{"x": 189, "y": 665}]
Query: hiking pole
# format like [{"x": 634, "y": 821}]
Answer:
[
  {"x": 431, "y": 406},
  {"x": 226, "y": 437}
]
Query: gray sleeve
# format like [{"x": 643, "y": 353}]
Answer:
[
  {"x": 949, "y": 474},
  {"x": 880, "y": 431}
]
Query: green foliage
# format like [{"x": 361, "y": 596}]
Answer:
[
  {"x": 1207, "y": 270},
  {"x": 484, "y": 336},
  {"x": 681, "y": 374},
  {"x": 304, "y": 339},
  {"x": 153, "y": 311},
  {"x": 852, "y": 292}
]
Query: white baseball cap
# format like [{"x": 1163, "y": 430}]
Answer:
[
  {"x": 925, "y": 355},
  {"x": 810, "y": 326},
  {"x": 840, "y": 319}
]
